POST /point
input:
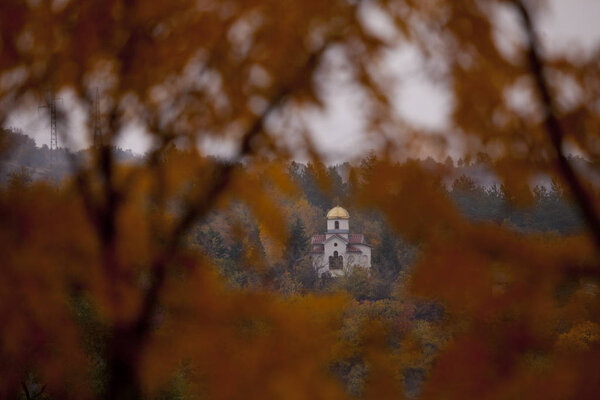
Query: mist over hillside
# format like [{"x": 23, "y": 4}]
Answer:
[
  {"x": 472, "y": 184},
  {"x": 20, "y": 154}
]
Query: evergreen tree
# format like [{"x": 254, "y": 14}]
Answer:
[
  {"x": 385, "y": 258},
  {"x": 310, "y": 180},
  {"x": 338, "y": 188},
  {"x": 212, "y": 242},
  {"x": 298, "y": 244}
]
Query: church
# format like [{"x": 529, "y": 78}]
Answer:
[{"x": 337, "y": 251}]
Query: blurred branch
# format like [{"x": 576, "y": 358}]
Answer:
[
  {"x": 30, "y": 395},
  {"x": 553, "y": 127},
  {"x": 128, "y": 341},
  {"x": 26, "y": 391},
  {"x": 201, "y": 206}
]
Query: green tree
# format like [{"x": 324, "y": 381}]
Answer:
[
  {"x": 385, "y": 258},
  {"x": 357, "y": 283},
  {"x": 298, "y": 244},
  {"x": 212, "y": 242}
]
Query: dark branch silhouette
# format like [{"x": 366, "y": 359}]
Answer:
[
  {"x": 554, "y": 128},
  {"x": 128, "y": 341}
]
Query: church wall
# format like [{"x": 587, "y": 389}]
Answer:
[
  {"x": 365, "y": 259},
  {"x": 330, "y": 247}
]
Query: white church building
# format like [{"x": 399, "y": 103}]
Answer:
[{"x": 338, "y": 251}]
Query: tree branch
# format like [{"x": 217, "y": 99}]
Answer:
[
  {"x": 553, "y": 127},
  {"x": 203, "y": 205},
  {"x": 128, "y": 341}
]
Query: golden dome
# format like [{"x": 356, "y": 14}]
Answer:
[{"x": 338, "y": 212}]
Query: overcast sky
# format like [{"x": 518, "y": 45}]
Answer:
[{"x": 568, "y": 25}]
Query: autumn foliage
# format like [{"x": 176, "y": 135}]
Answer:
[{"x": 112, "y": 287}]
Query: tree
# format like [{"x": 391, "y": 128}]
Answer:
[
  {"x": 386, "y": 259},
  {"x": 245, "y": 72},
  {"x": 212, "y": 242},
  {"x": 298, "y": 244},
  {"x": 357, "y": 283}
]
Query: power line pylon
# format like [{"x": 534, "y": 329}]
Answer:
[
  {"x": 51, "y": 106},
  {"x": 96, "y": 127}
]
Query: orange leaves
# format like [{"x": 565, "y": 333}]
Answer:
[
  {"x": 458, "y": 277},
  {"x": 491, "y": 271},
  {"x": 186, "y": 70},
  {"x": 500, "y": 289},
  {"x": 203, "y": 54},
  {"x": 383, "y": 379},
  {"x": 257, "y": 187},
  {"x": 42, "y": 243},
  {"x": 411, "y": 198},
  {"x": 463, "y": 371},
  {"x": 500, "y": 364},
  {"x": 12, "y": 19},
  {"x": 580, "y": 338},
  {"x": 244, "y": 344}
]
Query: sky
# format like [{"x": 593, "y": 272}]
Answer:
[{"x": 566, "y": 26}]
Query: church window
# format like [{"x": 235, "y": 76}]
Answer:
[
  {"x": 337, "y": 224},
  {"x": 335, "y": 245},
  {"x": 336, "y": 261}
]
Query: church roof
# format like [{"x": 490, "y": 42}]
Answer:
[
  {"x": 353, "y": 238},
  {"x": 352, "y": 249},
  {"x": 318, "y": 239},
  {"x": 356, "y": 238},
  {"x": 338, "y": 212},
  {"x": 343, "y": 239}
]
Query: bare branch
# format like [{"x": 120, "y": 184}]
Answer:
[
  {"x": 554, "y": 129},
  {"x": 26, "y": 391},
  {"x": 223, "y": 175},
  {"x": 128, "y": 341}
]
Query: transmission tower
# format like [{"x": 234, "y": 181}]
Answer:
[
  {"x": 96, "y": 127},
  {"x": 51, "y": 106}
]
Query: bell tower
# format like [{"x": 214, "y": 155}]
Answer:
[{"x": 338, "y": 222}]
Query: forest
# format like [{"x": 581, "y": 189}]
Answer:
[
  {"x": 286, "y": 270},
  {"x": 176, "y": 274}
]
